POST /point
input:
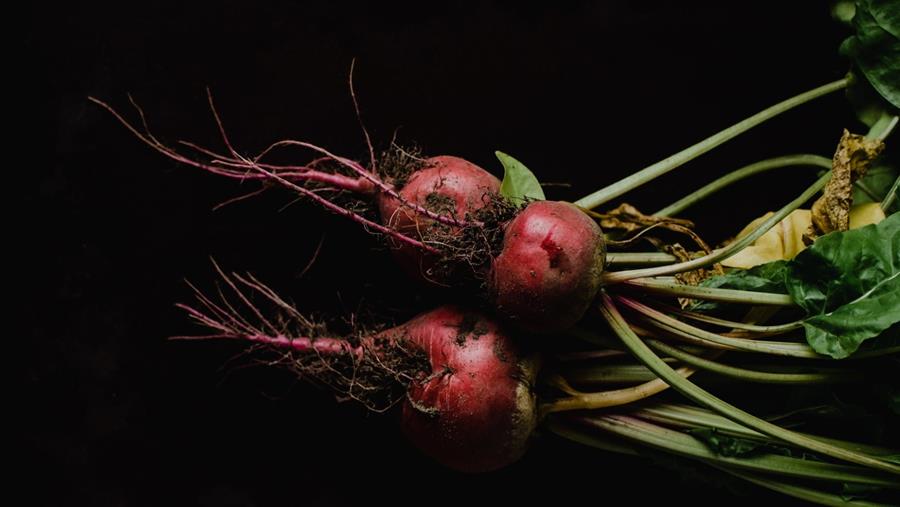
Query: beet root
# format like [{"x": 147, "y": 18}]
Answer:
[
  {"x": 446, "y": 185},
  {"x": 475, "y": 410},
  {"x": 550, "y": 267},
  {"x": 465, "y": 389}
]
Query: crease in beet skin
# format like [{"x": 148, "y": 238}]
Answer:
[{"x": 554, "y": 251}]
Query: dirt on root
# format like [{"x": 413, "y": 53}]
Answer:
[
  {"x": 378, "y": 377},
  {"x": 468, "y": 250},
  {"x": 397, "y": 163}
]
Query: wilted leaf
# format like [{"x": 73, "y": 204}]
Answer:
[{"x": 831, "y": 211}]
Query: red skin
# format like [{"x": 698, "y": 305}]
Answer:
[
  {"x": 475, "y": 410},
  {"x": 549, "y": 269},
  {"x": 463, "y": 182}
]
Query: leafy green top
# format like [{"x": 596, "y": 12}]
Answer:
[
  {"x": 847, "y": 282},
  {"x": 518, "y": 183},
  {"x": 875, "y": 48}
]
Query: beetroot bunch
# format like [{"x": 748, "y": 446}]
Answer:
[{"x": 464, "y": 382}]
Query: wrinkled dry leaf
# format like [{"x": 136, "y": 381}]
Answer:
[
  {"x": 691, "y": 277},
  {"x": 626, "y": 217},
  {"x": 831, "y": 212}
]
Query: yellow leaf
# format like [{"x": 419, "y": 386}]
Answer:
[
  {"x": 865, "y": 214},
  {"x": 785, "y": 240}
]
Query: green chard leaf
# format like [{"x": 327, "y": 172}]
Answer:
[
  {"x": 769, "y": 277},
  {"x": 875, "y": 48},
  {"x": 519, "y": 183},
  {"x": 847, "y": 282},
  {"x": 874, "y": 186}
]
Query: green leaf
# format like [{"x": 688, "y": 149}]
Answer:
[
  {"x": 849, "y": 284},
  {"x": 519, "y": 183},
  {"x": 769, "y": 277},
  {"x": 875, "y": 184},
  {"x": 875, "y": 48}
]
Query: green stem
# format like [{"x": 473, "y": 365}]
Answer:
[
  {"x": 685, "y": 445},
  {"x": 883, "y": 126},
  {"x": 703, "y": 337},
  {"x": 616, "y": 445},
  {"x": 639, "y": 258},
  {"x": 731, "y": 324},
  {"x": 610, "y": 374},
  {"x": 612, "y": 277},
  {"x": 880, "y": 130},
  {"x": 663, "y": 166},
  {"x": 799, "y": 492},
  {"x": 739, "y": 174},
  {"x": 695, "y": 393},
  {"x": 613, "y": 398},
  {"x": 651, "y": 286},
  {"x": 762, "y": 377},
  {"x": 890, "y": 197},
  {"x": 690, "y": 417}
]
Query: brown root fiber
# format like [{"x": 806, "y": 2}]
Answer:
[
  {"x": 467, "y": 251},
  {"x": 372, "y": 371},
  {"x": 377, "y": 376},
  {"x": 398, "y": 163}
]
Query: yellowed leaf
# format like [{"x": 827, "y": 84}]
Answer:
[
  {"x": 865, "y": 214},
  {"x": 786, "y": 239}
]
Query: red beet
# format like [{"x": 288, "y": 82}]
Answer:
[
  {"x": 549, "y": 270},
  {"x": 446, "y": 185},
  {"x": 541, "y": 269},
  {"x": 475, "y": 410},
  {"x": 465, "y": 386}
]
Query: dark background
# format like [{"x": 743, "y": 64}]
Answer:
[{"x": 583, "y": 93}]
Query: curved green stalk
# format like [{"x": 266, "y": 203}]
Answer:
[
  {"x": 695, "y": 393},
  {"x": 690, "y": 417},
  {"x": 612, "y": 398},
  {"x": 610, "y": 374},
  {"x": 762, "y": 377},
  {"x": 663, "y": 166},
  {"x": 702, "y": 337},
  {"x": 682, "y": 444},
  {"x": 706, "y": 338},
  {"x": 652, "y": 286},
  {"x": 591, "y": 439},
  {"x": 883, "y": 126},
  {"x": 612, "y": 277},
  {"x": 799, "y": 492},
  {"x": 639, "y": 258},
  {"x": 731, "y": 324},
  {"x": 739, "y": 174},
  {"x": 891, "y": 196}
]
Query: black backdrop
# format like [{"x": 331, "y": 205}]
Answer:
[{"x": 584, "y": 93}]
